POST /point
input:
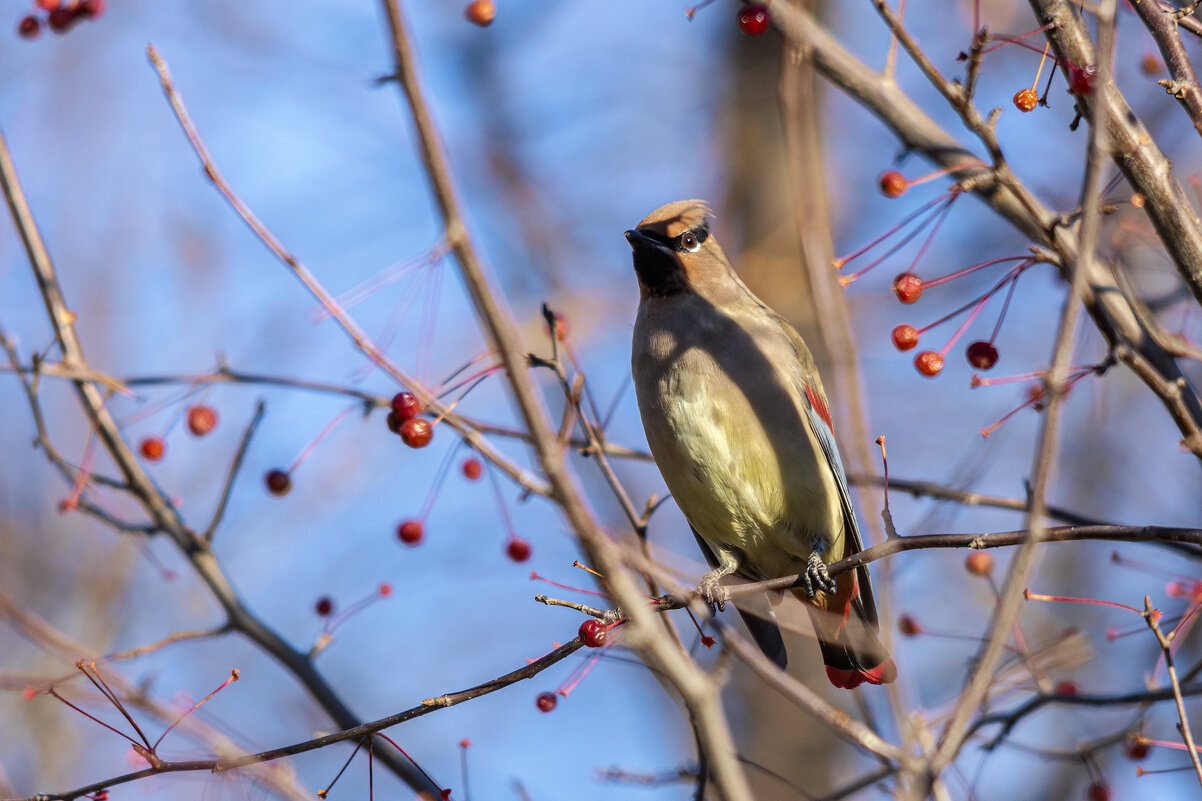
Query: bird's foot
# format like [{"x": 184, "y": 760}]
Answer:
[
  {"x": 817, "y": 577},
  {"x": 712, "y": 592}
]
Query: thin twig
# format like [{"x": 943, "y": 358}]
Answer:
[{"x": 232, "y": 475}]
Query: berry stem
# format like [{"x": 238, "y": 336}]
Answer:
[
  {"x": 304, "y": 454},
  {"x": 909, "y": 218},
  {"x": 439, "y": 477},
  {"x": 946, "y": 201},
  {"x": 1042, "y": 59},
  {"x": 233, "y": 678}
]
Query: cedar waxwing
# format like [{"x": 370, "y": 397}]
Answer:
[{"x": 738, "y": 423}]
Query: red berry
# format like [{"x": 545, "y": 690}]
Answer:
[
  {"x": 480, "y": 12},
  {"x": 394, "y": 423},
  {"x": 981, "y": 355},
  {"x": 201, "y": 419},
  {"x": 1080, "y": 79},
  {"x": 592, "y": 633},
  {"x": 48, "y": 5},
  {"x": 1035, "y": 397},
  {"x": 472, "y": 468},
  {"x": 1065, "y": 688},
  {"x": 979, "y": 563},
  {"x": 385, "y": 590},
  {"x": 1026, "y": 100},
  {"x": 753, "y": 19},
  {"x": 1098, "y": 791},
  {"x": 324, "y": 606},
  {"x": 908, "y": 287},
  {"x": 91, "y": 8},
  {"x": 518, "y": 549},
  {"x": 929, "y": 363},
  {"x": 908, "y": 626},
  {"x": 61, "y": 19},
  {"x": 1136, "y": 749},
  {"x": 893, "y": 184},
  {"x": 546, "y": 702},
  {"x": 29, "y": 27},
  {"x": 279, "y": 483},
  {"x": 905, "y": 337},
  {"x": 417, "y": 433},
  {"x": 406, "y": 406},
  {"x": 410, "y": 532},
  {"x": 152, "y": 448}
]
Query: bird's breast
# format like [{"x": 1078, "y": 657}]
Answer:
[{"x": 726, "y": 427}]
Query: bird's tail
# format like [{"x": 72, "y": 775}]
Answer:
[{"x": 851, "y": 649}]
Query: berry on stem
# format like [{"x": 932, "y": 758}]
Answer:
[
  {"x": 61, "y": 19},
  {"x": 908, "y": 287},
  {"x": 48, "y": 5},
  {"x": 908, "y": 626},
  {"x": 1136, "y": 749},
  {"x": 152, "y": 448},
  {"x": 324, "y": 606},
  {"x": 981, "y": 355},
  {"x": 893, "y": 184},
  {"x": 753, "y": 19},
  {"x": 481, "y": 12},
  {"x": 472, "y": 468},
  {"x": 1080, "y": 79},
  {"x": 546, "y": 702},
  {"x": 279, "y": 483},
  {"x": 405, "y": 406},
  {"x": 905, "y": 337},
  {"x": 518, "y": 549},
  {"x": 410, "y": 532},
  {"x": 593, "y": 633},
  {"x": 29, "y": 27},
  {"x": 1026, "y": 100},
  {"x": 417, "y": 433},
  {"x": 201, "y": 419},
  {"x": 929, "y": 363},
  {"x": 979, "y": 563},
  {"x": 1098, "y": 791},
  {"x": 1065, "y": 688}
]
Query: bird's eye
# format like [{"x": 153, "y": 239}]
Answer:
[{"x": 688, "y": 241}]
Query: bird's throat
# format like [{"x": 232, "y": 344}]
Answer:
[{"x": 659, "y": 272}]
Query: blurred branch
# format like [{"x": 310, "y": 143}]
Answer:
[
  {"x": 1162, "y": 24},
  {"x": 222, "y": 764},
  {"x": 232, "y": 475},
  {"x": 351, "y": 328},
  {"x": 699, "y": 691},
  {"x": 1152, "y": 616},
  {"x": 999, "y": 188},
  {"x": 1047, "y": 444},
  {"x": 158, "y": 507}
]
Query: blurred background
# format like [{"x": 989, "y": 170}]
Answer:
[{"x": 565, "y": 124}]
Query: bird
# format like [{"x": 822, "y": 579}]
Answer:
[{"x": 739, "y": 425}]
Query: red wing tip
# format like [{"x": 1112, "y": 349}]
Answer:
[{"x": 850, "y": 679}]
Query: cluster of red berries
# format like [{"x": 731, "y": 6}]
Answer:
[
  {"x": 201, "y": 419},
  {"x": 416, "y": 432},
  {"x": 60, "y": 16}
]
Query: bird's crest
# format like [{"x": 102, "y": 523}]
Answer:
[{"x": 675, "y": 218}]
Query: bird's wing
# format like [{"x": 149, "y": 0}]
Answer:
[{"x": 819, "y": 416}]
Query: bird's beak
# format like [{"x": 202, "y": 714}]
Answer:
[{"x": 638, "y": 240}]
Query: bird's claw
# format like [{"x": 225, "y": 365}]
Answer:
[
  {"x": 817, "y": 577},
  {"x": 712, "y": 592}
]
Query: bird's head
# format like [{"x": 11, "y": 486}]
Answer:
[{"x": 674, "y": 251}]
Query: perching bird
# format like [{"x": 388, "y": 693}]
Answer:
[{"x": 739, "y": 425}]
